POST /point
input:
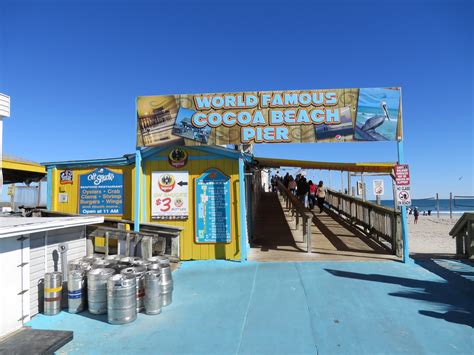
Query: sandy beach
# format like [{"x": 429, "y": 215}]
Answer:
[{"x": 431, "y": 235}]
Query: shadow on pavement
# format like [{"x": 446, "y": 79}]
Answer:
[{"x": 456, "y": 292}]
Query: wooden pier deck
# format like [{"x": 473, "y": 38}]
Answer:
[{"x": 277, "y": 239}]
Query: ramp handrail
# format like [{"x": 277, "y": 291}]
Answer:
[
  {"x": 378, "y": 222},
  {"x": 299, "y": 211},
  {"x": 463, "y": 231}
]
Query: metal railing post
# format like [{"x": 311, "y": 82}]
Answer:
[
  {"x": 303, "y": 231},
  {"x": 308, "y": 233},
  {"x": 106, "y": 243},
  {"x": 437, "y": 204},
  {"x": 451, "y": 205}
]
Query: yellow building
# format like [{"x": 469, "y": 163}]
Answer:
[{"x": 127, "y": 188}]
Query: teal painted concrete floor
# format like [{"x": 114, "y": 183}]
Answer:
[{"x": 295, "y": 308}]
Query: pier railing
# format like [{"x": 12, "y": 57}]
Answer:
[
  {"x": 378, "y": 222},
  {"x": 299, "y": 211}
]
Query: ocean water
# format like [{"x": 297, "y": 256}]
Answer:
[{"x": 460, "y": 205}]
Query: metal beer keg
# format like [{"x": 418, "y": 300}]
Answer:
[
  {"x": 153, "y": 299},
  {"x": 97, "y": 289},
  {"x": 121, "y": 299},
  {"x": 139, "y": 273},
  {"x": 103, "y": 264},
  {"x": 143, "y": 263},
  {"x": 53, "y": 287},
  {"x": 76, "y": 291},
  {"x": 166, "y": 281},
  {"x": 112, "y": 257},
  {"x": 154, "y": 263}
]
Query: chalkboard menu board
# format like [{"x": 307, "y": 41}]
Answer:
[
  {"x": 101, "y": 192},
  {"x": 212, "y": 215}
]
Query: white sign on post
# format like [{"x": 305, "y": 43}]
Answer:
[
  {"x": 360, "y": 188},
  {"x": 378, "y": 187},
  {"x": 403, "y": 196},
  {"x": 169, "y": 194}
]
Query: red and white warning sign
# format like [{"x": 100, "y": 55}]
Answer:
[
  {"x": 402, "y": 175},
  {"x": 402, "y": 182}
]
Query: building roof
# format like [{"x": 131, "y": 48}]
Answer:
[
  {"x": 356, "y": 167},
  {"x": 16, "y": 169},
  {"x": 128, "y": 159},
  {"x": 13, "y": 226}
]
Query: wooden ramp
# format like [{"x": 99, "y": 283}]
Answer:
[{"x": 275, "y": 237}]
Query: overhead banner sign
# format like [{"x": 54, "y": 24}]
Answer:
[
  {"x": 340, "y": 115},
  {"x": 101, "y": 192},
  {"x": 213, "y": 207},
  {"x": 169, "y": 195}
]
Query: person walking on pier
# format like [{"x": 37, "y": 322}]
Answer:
[
  {"x": 321, "y": 195},
  {"x": 302, "y": 190},
  {"x": 312, "y": 194},
  {"x": 292, "y": 185}
]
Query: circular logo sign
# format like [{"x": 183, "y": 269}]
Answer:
[
  {"x": 166, "y": 183},
  {"x": 178, "y": 158},
  {"x": 404, "y": 195},
  {"x": 178, "y": 202}
]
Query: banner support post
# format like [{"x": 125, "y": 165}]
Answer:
[
  {"x": 242, "y": 202},
  {"x": 403, "y": 210},
  {"x": 138, "y": 178}
]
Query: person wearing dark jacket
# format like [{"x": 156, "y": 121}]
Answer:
[{"x": 303, "y": 189}]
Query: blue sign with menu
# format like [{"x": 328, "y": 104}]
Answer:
[
  {"x": 212, "y": 193},
  {"x": 101, "y": 192}
]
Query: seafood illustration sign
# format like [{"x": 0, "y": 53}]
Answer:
[
  {"x": 101, "y": 192},
  {"x": 213, "y": 207},
  {"x": 297, "y": 116},
  {"x": 169, "y": 195}
]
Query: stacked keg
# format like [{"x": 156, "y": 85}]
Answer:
[
  {"x": 140, "y": 262},
  {"x": 53, "y": 287},
  {"x": 139, "y": 273},
  {"x": 103, "y": 264},
  {"x": 121, "y": 299},
  {"x": 166, "y": 281},
  {"x": 76, "y": 290},
  {"x": 153, "y": 299},
  {"x": 118, "y": 286},
  {"x": 154, "y": 263},
  {"x": 97, "y": 289}
]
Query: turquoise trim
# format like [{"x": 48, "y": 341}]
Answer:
[
  {"x": 144, "y": 191},
  {"x": 148, "y": 152},
  {"x": 49, "y": 189},
  {"x": 403, "y": 211},
  {"x": 129, "y": 159},
  {"x": 191, "y": 158},
  {"x": 233, "y": 154},
  {"x": 138, "y": 176},
  {"x": 89, "y": 163},
  {"x": 243, "y": 223},
  {"x": 250, "y": 210}
]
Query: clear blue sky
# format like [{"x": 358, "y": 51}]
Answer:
[{"x": 73, "y": 71}]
